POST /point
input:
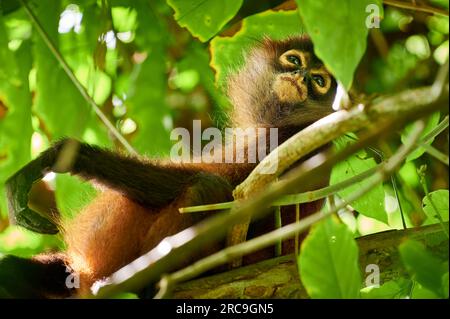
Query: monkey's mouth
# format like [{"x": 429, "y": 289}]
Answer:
[{"x": 302, "y": 94}]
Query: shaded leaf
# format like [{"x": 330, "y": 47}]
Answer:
[
  {"x": 389, "y": 290},
  {"x": 340, "y": 48},
  {"x": 431, "y": 123},
  {"x": 372, "y": 203},
  {"x": 423, "y": 266}
]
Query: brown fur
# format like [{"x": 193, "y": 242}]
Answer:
[{"x": 140, "y": 205}]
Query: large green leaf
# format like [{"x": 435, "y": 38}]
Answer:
[
  {"x": 339, "y": 32},
  {"x": 204, "y": 18},
  {"x": 56, "y": 96},
  {"x": 372, "y": 203},
  {"x": 423, "y": 266},
  {"x": 440, "y": 201},
  {"x": 228, "y": 51},
  {"x": 15, "y": 109},
  {"x": 328, "y": 262}
]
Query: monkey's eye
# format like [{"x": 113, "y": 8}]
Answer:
[
  {"x": 319, "y": 80},
  {"x": 294, "y": 60}
]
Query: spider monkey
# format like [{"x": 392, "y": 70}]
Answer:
[{"x": 281, "y": 85}]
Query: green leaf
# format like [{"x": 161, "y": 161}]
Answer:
[
  {"x": 339, "y": 32},
  {"x": 420, "y": 292},
  {"x": 56, "y": 96},
  {"x": 21, "y": 242},
  {"x": 73, "y": 194},
  {"x": 372, "y": 203},
  {"x": 328, "y": 262},
  {"x": 440, "y": 201},
  {"x": 148, "y": 88},
  {"x": 15, "y": 109},
  {"x": 445, "y": 284},
  {"x": 197, "y": 59},
  {"x": 423, "y": 266},
  {"x": 228, "y": 51},
  {"x": 432, "y": 121},
  {"x": 204, "y": 18},
  {"x": 389, "y": 290}
]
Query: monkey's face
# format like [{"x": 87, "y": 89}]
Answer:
[{"x": 282, "y": 84}]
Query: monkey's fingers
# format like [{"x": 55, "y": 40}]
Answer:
[{"x": 17, "y": 190}]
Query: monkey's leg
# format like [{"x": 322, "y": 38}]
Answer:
[{"x": 149, "y": 184}]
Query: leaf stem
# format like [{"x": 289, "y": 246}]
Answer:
[{"x": 436, "y": 154}]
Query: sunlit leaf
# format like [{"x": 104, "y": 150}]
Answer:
[
  {"x": 204, "y": 18},
  {"x": 56, "y": 96},
  {"x": 227, "y": 52},
  {"x": 73, "y": 194},
  {"x": 15, "y": 110},
  {"x": 328, "y": 262},
  {"x": 24, "y": 243}
]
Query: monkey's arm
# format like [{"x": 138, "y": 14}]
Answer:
[{"x": 147, "y": 183}]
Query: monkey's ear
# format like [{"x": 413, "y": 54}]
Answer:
[{"x": 40, "y": 277}]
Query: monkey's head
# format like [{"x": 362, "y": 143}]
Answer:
[{"x": 282, "y": 84}]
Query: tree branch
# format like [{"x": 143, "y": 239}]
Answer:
[
  {"x": 416, "y": 7},
  {"x": 278, "y": 277}
]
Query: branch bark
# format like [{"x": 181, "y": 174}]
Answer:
[
  {"x": 278, "y": 277},
  {"x": 416, "y": 7}
]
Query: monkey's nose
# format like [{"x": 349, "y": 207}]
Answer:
[{"x": 299, "y": 75}]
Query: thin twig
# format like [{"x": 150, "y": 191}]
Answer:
[
  {"x": 416, "y": 7},
  {"x": 436, "y": 154},
  {"x": 293, "y": 199},
  {"x": 52, "y": 47}
]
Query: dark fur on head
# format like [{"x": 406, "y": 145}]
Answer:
[{"x": 269, "y": 92}]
